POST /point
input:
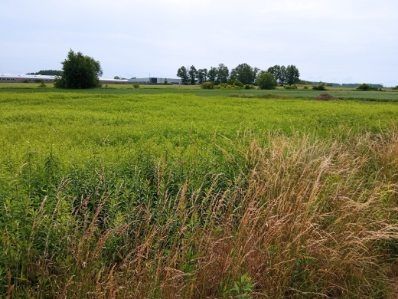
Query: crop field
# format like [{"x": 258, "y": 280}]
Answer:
[{"x": 179, "y": 192}]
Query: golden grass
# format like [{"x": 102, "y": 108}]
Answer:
[{"x": 306, "y": 219}]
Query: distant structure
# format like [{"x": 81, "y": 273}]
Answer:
[
  {"x": 44, "y": 78},
  {"x": 26, "y": 78},
  {"x": 155, "y": 80}
]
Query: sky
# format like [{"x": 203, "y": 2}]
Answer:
[{"x": 328, "y": 40}]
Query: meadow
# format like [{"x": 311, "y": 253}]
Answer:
[{"x": 179, "y": 192}]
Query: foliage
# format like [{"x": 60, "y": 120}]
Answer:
[
  {"x": 79, "y": 72},
  {"x": 213, "y": 74},
  {"x": 290, "y": 87},
  {"x": 320, "y": 86},
  {"x": 244, "y": 73},
  {"x": 202, "y": 76},
  {"x": 148, "y": 193},
  {"x": 366, "y": 87},
  {"x": 292, "y": 75},
  {"x": 265, "y": 80},
  {"x": 48, "y": 73},
  {"x": 183, "y": 74},
  {"x": 192, "y": 75},
  {"x": 207, "y": 85},
  {"x": 136, "y": 85},
  {"x": 222, "y": 74}
]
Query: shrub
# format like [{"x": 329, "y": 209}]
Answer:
[
  {"x": 79, "y": 72},
  {"x": 366, "y": 87},
  {"x": 237, "y": 83},
  {"x": 305, "y": 87},
  {"x": 136, "y": 85},
  {"x": 319, "y": 87},
  {"x": 266, "y": 80},
  {"x": 42, "y": 84},
  {"x": 207, "y": 85},
  {"x": 290, "y": 87},
  {"x": 249, "y": 86},
  {"x": 325, "y": 97}
]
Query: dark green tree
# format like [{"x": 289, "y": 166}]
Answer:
[
  {"x": 212, "y": 74},
  {"x": 222, "y": 73},
  {"x": 282, "y": 75},
  {"x": 193, "y": 73},
  {"x": 244, "y": 73},
  {"x": 183, "y": 74},
  {"x": 79, "y": 71},
  {"x": 276, "y": 72},
  {"x": 202, "y": 75},
  {"x": 265, "y": 80},
  {"x": 292, "y": 75},
  {"x": 47, "y": 73}
]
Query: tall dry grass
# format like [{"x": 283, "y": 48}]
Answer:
[{"x": 306, "y": 219}]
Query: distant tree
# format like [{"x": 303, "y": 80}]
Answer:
[
  {"x": 183, "y": 74},
  {"x": 282, "y": 75},
  {"x": 202, "y": 75},
  {"x": 116, "y": 78},
  {"x": 193, "y": 73},
  {"x": 265, "y": 80},
  {"x": 366, "y": 87},
  {"x": 79, "y": 71},
  {"x": 292, "y": 75},
  {"x": 212, "y": 74},
  {"x": 222, "y": 73},
  {"x": 47, "y": 73},
  {"x": 244, "y": 73},
  {"x": 276, "y": 72}
]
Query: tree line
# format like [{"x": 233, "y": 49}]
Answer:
[{"x": 243, "y": 74}]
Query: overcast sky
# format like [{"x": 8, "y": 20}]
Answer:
[{"x": 329, "y": 40}]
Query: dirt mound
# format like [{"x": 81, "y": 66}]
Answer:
[{"x": 325, "y": 97}]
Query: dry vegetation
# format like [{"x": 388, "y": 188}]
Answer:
[{"x": 303, "y": 219}]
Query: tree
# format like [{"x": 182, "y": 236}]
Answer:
[
  {"x": 79, "y": 71},
  {"x": 282, "y": 75},
  {"x": 202, "y": 75},
  {"x": 276, "y": 72},
  {"x": 244, "y": 73},
  {"x": 47, "y": 73},
  {"x": 265, "y": 80},
  {"x": 292, "y": 75},
  {"x": 193, "y": 74},
  {"x": 222, "y": 73},
  {"x": 183, "y": 74},
  {"x": 212, "y": 74}
]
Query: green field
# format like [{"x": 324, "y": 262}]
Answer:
[{"x": 89, "y": 178}]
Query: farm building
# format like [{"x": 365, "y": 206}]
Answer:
[
  {"x": 155, "y": 80},
  {"x": 43, "y": 78}
]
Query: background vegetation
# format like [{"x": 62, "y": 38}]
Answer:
[{"x": 185, "y": 192}]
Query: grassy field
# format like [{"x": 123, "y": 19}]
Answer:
[{"x": 181, "y": 192}]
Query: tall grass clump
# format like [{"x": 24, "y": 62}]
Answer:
[{"x": 301, "y": 218}]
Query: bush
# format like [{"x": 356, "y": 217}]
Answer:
[
  {"x": 290, "y": 87},
  {"x": 319, "y": 87},
  {"x": 367, "y": 87},
  {"x": 136, "y": 85},
  {"x": 42, "y": 85},
  {"x": 79, "y": 72},
  {"x": 207, "y": 85},
  {"x": 266, "y": 80},
  {"x": 395, "y": 88},
  {"x": 305, "y": 87},
  {"x": 249, "y": 86}
]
